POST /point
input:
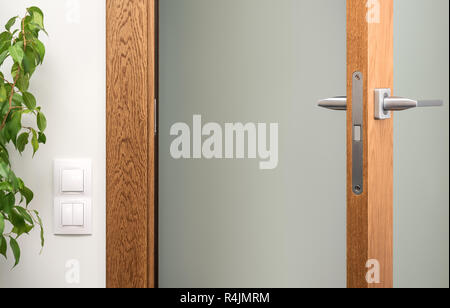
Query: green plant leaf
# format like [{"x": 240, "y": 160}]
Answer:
[
  {"x": 38, "y": 19},
  {"x": 28, "y": 194},
  {"x": 11, "y": 23},
  {"x": 14, "y": 125},
  {"x": 22, "y": 229},
  {"x": 17, "y": 53},
  {"x": 15, "y": 69},
  {"x": 38, "y": 217},
  {"x": 41, "y": 121},
  {"x": 29, "y": 62},
  {"x": 5, "y": 37},
  {"x": 42, "y": 234},
  {"x": 29, "y": 100},
  {"x": 35, "y": 143},
  {"x": 4, "y": 155},
  {"x": 5, "y": 186},
  {"x": 42, "y": 138},
  {"x": 4, "y": 46},
  {"x": 38, "y": 16},
  {"x": 3, "y": 246},
  {"x": 3, "y": 94},
  {"x": 40, "y": 49},
  {"x": 4, "y": 170},
  {"x": 25, "y": 214},
  {"x": 18, "y": 221},
  {"x": 2, "y": 223},
  {"x": 9, "y": 200},
  {"x": 22, "y": 141},
  {"x": 33, "y": 9},
  {"x": 20, "y": 185},
  {"x": 17, "y": 99},
  {"x": 15, "y": 249},
  {"x": 3, "y": 56},
  {"x": 23, "y": 82}
]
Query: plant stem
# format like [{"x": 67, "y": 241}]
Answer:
[
  {"x": 3, "y": 78},
  {"x": 10, "y": 101}
]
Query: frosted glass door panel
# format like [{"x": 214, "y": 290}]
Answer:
[{"x": 225, "y": 222}]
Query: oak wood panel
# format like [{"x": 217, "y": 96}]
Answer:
[
  {"x": 357, "y": 210},
  {"x": 130, "y": 158},
  {"x": 152, "y": 175},
  {"x": 370, "y": 216},
  {"x": 380, "y": 146}
]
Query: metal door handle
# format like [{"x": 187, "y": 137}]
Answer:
[
  {"x": 430, "y": 103},
  {"x": 334, "y": 103},
  {"x": 384, "y": 103},
  {"x": 401, "y": 103}
]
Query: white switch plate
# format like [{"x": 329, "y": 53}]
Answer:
[
  {"x": 72, "y": 180},
  {"x": 72, "y": 186},
  {"x": 69, "y": 222},
  {"x": 72, "y": 169}
]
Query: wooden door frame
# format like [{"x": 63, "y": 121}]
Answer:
[
  {"x": 131, "y": 192},
  {"x": 370, "y": 215},
  {"x": 131, "y": 144}
]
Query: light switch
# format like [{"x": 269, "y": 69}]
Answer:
[
  {"x": 72, "y": 203},
  {"x": 78, "y": 215},
  {"x": 72, "y": 180},
  {"x": 66, "y": 214}
]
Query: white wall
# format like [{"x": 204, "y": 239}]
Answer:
[{"x": 70, "y": 86}]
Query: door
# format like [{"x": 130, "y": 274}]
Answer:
[
  {"x": 259, "y": 187},
  {"x": 232, "y": 221}
]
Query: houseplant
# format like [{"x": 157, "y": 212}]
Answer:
[{"x": 21, "y": 48}]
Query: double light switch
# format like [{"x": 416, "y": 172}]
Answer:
[
  {"x": 72, "y": 214},
  {"x": 73, "y": 197}
]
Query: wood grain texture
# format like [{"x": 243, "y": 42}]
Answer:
[
  {"x": 152, "y": 176},
  {"x": 370, "y": 216},
  {"x": 130, "y": 162}
]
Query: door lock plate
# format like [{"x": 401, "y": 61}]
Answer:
[{"x": 358, "y": 133}]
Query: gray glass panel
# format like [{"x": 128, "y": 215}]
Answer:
[{"x": 225, "y": 222}]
